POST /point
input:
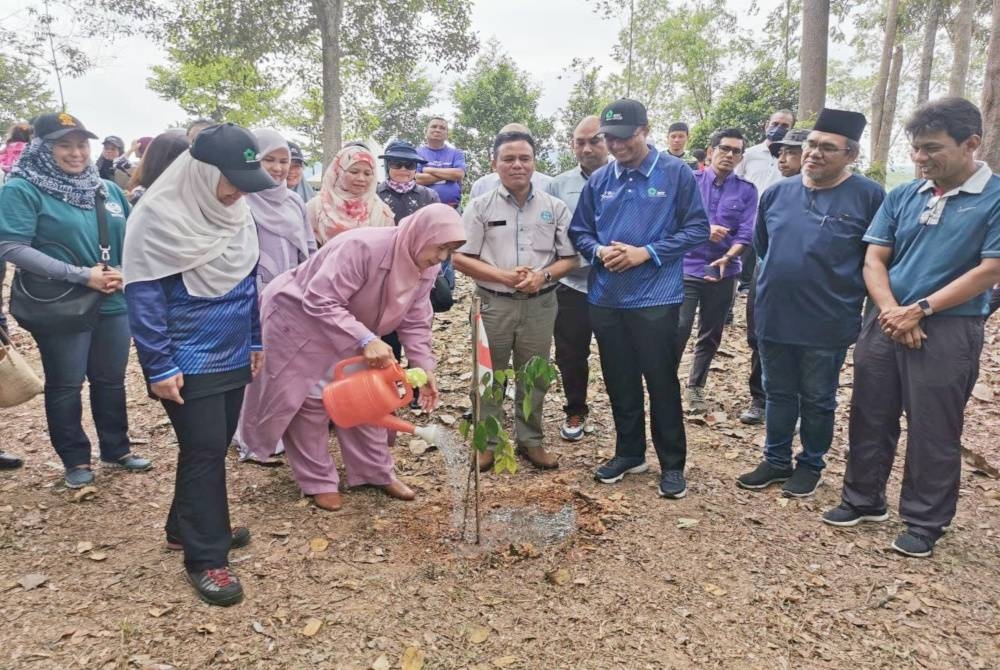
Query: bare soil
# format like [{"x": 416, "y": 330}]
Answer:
[{"x": 723, "y": 578}]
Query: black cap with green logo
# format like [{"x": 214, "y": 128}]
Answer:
[
  {"x": 234, "y": 151},
  {"x": 622, "y": 118}
]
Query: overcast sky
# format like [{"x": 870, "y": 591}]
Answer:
[{"x": 542, "y": 36}]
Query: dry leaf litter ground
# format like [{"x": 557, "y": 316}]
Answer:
[{"x": 573, "y": 574}]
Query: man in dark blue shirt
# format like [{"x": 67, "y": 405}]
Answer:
[
  {"x": 636, "y": 218},
  {"x": 933, "y": 254},
  {"x": 809, "y": 297}
]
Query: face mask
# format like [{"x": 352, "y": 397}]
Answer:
[{"x": 776, "y": 133}]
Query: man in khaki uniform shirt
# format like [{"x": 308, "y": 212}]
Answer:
[{"x": 516, "y": 249}]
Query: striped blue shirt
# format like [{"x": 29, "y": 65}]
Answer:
[
  {"x": 656, "y": 206},
  {"x": 177, "y": 332}
]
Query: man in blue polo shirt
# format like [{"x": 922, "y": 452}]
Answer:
[
  {"x": 934, "y": 253},
  {"x": 809, "y": 297},
  {"x": 635, "y": 220}
]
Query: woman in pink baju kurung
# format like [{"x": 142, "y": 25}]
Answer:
[{"x": 362, "y": 284}]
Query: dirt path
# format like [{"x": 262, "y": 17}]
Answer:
[{"x": 722, "y": 579}]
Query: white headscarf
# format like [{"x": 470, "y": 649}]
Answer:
[{"x": 179, "y": 226}]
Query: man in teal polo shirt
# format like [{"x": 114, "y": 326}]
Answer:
[{"x": 934, "y": 253}]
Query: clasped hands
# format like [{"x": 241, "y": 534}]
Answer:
[
  {"x": 523, "y": 279},
  {"x": 902, "y": 324},
  {"x": 618, "y": 256}
]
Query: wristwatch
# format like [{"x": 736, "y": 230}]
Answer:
[
  {"x": 547, "y": 275},
  {"x": 925, "y": 307}
]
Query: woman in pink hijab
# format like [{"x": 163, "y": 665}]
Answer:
[
  {"x": 347, "y": 197},
  {"x": 361, "y": 285}
]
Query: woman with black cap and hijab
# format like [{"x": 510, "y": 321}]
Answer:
[
  {"x": 189, "y": 265},
  {"x": 53, "y": 208}
]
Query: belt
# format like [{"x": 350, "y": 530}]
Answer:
[{"x": 518, "y": 295}]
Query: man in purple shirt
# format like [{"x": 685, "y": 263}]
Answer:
[
  {"x": 711, "y": 270},
  {"x": 445, "y": 166}
]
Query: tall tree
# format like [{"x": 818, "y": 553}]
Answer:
[
  {"x": 990, "y": 106},
  {"x": 813, "y": 58},
  {"x": 932, "y": 19},
  {"x": 284, "y": 39},
  {"x": 961, "y": 47},
  {"x": 747, "y": 103},
  {"x": 492, "y": 94},
  {"x": 882, "y": 81},
  {"x": 23, "y": 92},
  {"x": 588, "y": 96},
  {"x": 678, "y": 57}
]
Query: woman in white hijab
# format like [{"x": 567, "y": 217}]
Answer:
[
  {"x": 284, "y": 237},
  {"x": 189, "y": 270}
]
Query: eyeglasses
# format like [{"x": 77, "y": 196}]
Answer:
[
  {"x": 402, "y": 165},
  {"x": 809, "y": 145},
  {"x": 736, "y": 151}
]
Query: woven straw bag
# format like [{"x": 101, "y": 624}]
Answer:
[{"x": 18, "y": 382}]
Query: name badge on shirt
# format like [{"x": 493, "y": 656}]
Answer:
[
  {"x": 653, "y": 192},
  {"x": 494, "y": 224}
]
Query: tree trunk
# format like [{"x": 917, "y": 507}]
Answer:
[
  {"x": 330, "y": 13},
  {"x": 788, "y": 38},
  {"x": 990, "y": 150},
  {"x": 813, "y": 57},
  {"x": 927, "y": 51},
  {"x": 961, "y": 47},
  {"x": 878, "y": 95},
  {"x": 881, "y": 156}
]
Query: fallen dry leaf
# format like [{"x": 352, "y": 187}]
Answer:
[
  {"x": 559, "y": 576},
  {"x": 157, "y": 612},
  {"x": 207, "y": 628},
  {"x": 381, "y": 663},
  {"x": 97, "y": 556},
  {"x": 413, "y": 659},
  {"x": 714, "y": 589},
  {"x": 32, "y": 581},
  {"x": 85, "y": 493},
  {"x": 446, "y": 419},
  {"x": 686, "y": 523},
  {"x": 312, "y": 627},
  {"x": 504, "y": 661},
  {"x": 319, "y": 544},
  {"x": 84, "y": 547},
  {"x": 418, "y": 447},
  {"x": 479, "y": 634}
]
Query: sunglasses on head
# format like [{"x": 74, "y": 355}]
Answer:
[{"x": 402, "y": 165}]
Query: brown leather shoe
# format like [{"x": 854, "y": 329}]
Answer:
[
  {"x": 399, "y": 490},
  {"x": 540, "y": 458},
  {"x": 331, "y": 502},
  {"x": 485, "y": 459}
]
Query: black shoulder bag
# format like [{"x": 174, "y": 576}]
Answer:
[{"x": 46, "y": 306}]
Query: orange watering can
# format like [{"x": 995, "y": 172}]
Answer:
[{"x": 368, "y": 395}]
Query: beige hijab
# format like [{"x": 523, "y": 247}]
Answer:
[
  {"x": 179, "y": 226},
  {"x": 337, "y": 209}
]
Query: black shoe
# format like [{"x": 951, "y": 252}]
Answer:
[
  {"x": 217, "y": 586},
  {"x": 240, "y": 539},
  {"x": 765, "y": 475},
  {"x": 672, "y": 484},
  {"x": 915, "y": 546},
  {"x": 754, "y": 414},
  {"x": 619, "y": 466},
  {"x": 9, "y": 461},
  {"x": 803, "y": 483},
  {"x": 845, "y": 515}
]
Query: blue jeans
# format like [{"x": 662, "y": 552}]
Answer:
[
  {"x": 100, "y": 356},
  {"x": 799, "y": 380}
]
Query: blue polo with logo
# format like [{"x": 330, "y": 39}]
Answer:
[
  {"x": 938, "y": 237},
  {"x": 656, "y": 206}
]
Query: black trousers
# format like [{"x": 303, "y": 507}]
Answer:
[
  {"x": 748, "y": 260},
  {"x": 637, "y": 344},
  {"x": 712, "y": 301},
  {"x": 572, "y": 334},
  {"x": 756, "y": 371},
  {"x": 994, "y": 300},
  {"x": 199, "y": 513}
]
